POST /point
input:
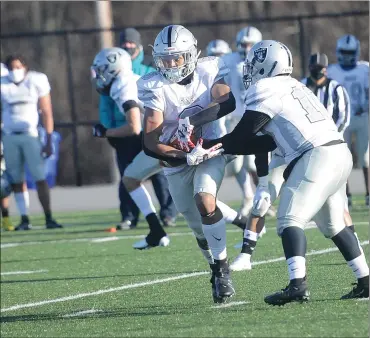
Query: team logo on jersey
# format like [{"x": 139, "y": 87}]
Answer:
[
  {"x": 112, "y": 58},
  {"x": 260, "y": 54}
]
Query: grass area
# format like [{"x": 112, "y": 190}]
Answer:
[{"x": 82, "y": 286}]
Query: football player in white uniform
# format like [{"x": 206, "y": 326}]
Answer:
[
  {"x": 114, "y": 76},
  {"x": 6, "y": 222},
  {"x": 354, "y": 76},
  {"x": 243, "y": 166},
  {"x": 183, "y": 87},
  {"x": 318, "y": 165},
  {"x": 23, "y": 94}
]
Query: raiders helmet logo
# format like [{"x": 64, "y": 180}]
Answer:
[
  {"x": 112, "y": 58},
  {"x": 260, "y": 54}
]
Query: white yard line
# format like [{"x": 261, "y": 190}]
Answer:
[
  {"x": 152, "y": 282},
  {"x": 105, "y": 239},
  {"x": 21, "y": 272},
  {"x": 230, "y": 304},
  {"x": 81, "y": 313}
]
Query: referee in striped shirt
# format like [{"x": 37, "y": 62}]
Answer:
[{"x": 330, "y": 93}]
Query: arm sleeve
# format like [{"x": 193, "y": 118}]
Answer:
[
  {"x": 341, "y": 108},
  {"x": 124, "y": 90},
  {"x": 243, "y": 140}
]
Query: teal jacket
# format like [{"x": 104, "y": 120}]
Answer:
[{"x": 109, "y": 113}]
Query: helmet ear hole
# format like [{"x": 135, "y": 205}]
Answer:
[{"x": 262, "y": 71}]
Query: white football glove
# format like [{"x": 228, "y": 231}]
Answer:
[
  {"x": 262, "y": 198},
  {"x": 181, "y": 139},
  {"x": 199, "y": 154}
]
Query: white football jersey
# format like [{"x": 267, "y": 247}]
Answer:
[
  {"x": 299, "y": 122},
  {"x": 356, "y": 82},
  {"x": 178, "y": 101},
  {"x": 124, "y": 88},
  {"x": 20, "y": 102},
  {"x": 235, "y": 63}
]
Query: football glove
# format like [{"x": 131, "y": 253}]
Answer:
[
  {"x": 182, "y": 138},
  {"x": 262, "y": 198},
  {"x": 99, "y": 130},
  {"x": 199, "y": 154}
]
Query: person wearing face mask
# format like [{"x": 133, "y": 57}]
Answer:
[
  {"x": 331, "y": 94},
  {"x": 23, "y": 94}
]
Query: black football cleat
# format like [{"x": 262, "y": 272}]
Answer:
[
  {"x": 222, "y": 288},
  {"x": 359, "y": 291},
  {"x": 24, "y": 225},
  {"x": 292, "y": 293},
  {"x": 52, "y": 224}
]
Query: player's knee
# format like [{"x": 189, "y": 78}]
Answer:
[
  {"x": 206, "y": 203},
  {"x": 130, "y": 183},
  {"x": 284, "y": 223}
]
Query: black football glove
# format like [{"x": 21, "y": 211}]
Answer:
[{"x": 99, "y": 130}]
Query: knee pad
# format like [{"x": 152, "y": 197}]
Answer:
[
  {"x": 286, "y": 222},
  {"x": 212, "y": 217}
]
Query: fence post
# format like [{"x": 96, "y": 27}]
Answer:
[
  {"x": 302, "y": 47},
  {"x": 76, "y": 159}
]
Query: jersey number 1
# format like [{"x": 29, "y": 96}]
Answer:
[{"x": 314, "y": 113}]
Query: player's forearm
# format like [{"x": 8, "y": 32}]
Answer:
[
  {"x": 262, "y": 164},
  {"x": 123, "y": 131},
  {"x": 163, "y": 151}
]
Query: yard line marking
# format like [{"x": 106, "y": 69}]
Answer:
[
  {"x": 152, "y": 282},
  {"x": 105, "y": 239},
  {"x": 362, "y": 299},
  {"x": 221, "y": 306},
  {"x": 81, "y": 313},
  {"x": 21, "y": 272},
  {"x": 94, "y": 239}
]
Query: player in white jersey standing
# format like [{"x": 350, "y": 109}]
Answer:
[
  {"x": 23, "y": 94},
  {"x": 183, "y": 87},
  {"x": 114, "y": 77},
  {"x": 243, "y": 166},
  {"x": 354, "y": 76},
  {"x": 318, "y": 165}
]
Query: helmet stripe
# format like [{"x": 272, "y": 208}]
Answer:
[
  {"x": 169, "y": 33},
  {"x": 289, "y": 58}
]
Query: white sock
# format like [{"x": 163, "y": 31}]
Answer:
[
  {"x": 245, "y": 183},
  {"x": 216, "y": 238},
  {"x": 253, "y": 236},
  {"x": 359, "y": 266},
  {"x": 22, "y": 199},
  {"x": 142, "y": 199},
  {"x": 228, "y": 213},
  {"x": 296, "y": 267}
]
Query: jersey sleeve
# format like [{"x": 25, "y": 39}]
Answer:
[
  {"x": 42, "y": 84},
  {"x": 150, "y": 92},
  {"x": 262, "y": 98},
  {"x": 123, "y": 90}
]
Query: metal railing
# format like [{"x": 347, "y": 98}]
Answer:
[{"x": 298, "y": 19}]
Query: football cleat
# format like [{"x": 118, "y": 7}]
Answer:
[
  {"x": 124, "y": 225},
  {"x": 246, "y": 207},
  {"x": 222, "y": 288},
  {"x": 241, "y": 262},
  {"x": 143, "y": 244},
  {"x": 169, "y": 221},
  {"x": 271, "y": 212},
  {"x": 24, "y": 225},
  {"x": 359, "y": 291},
  {"x": 292, "y": 293},
  {"x": 6, "y": 224},
  {"x": 52, "y": 224}
]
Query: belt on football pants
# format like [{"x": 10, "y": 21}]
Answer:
[{"x": 291, "y": 165}]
